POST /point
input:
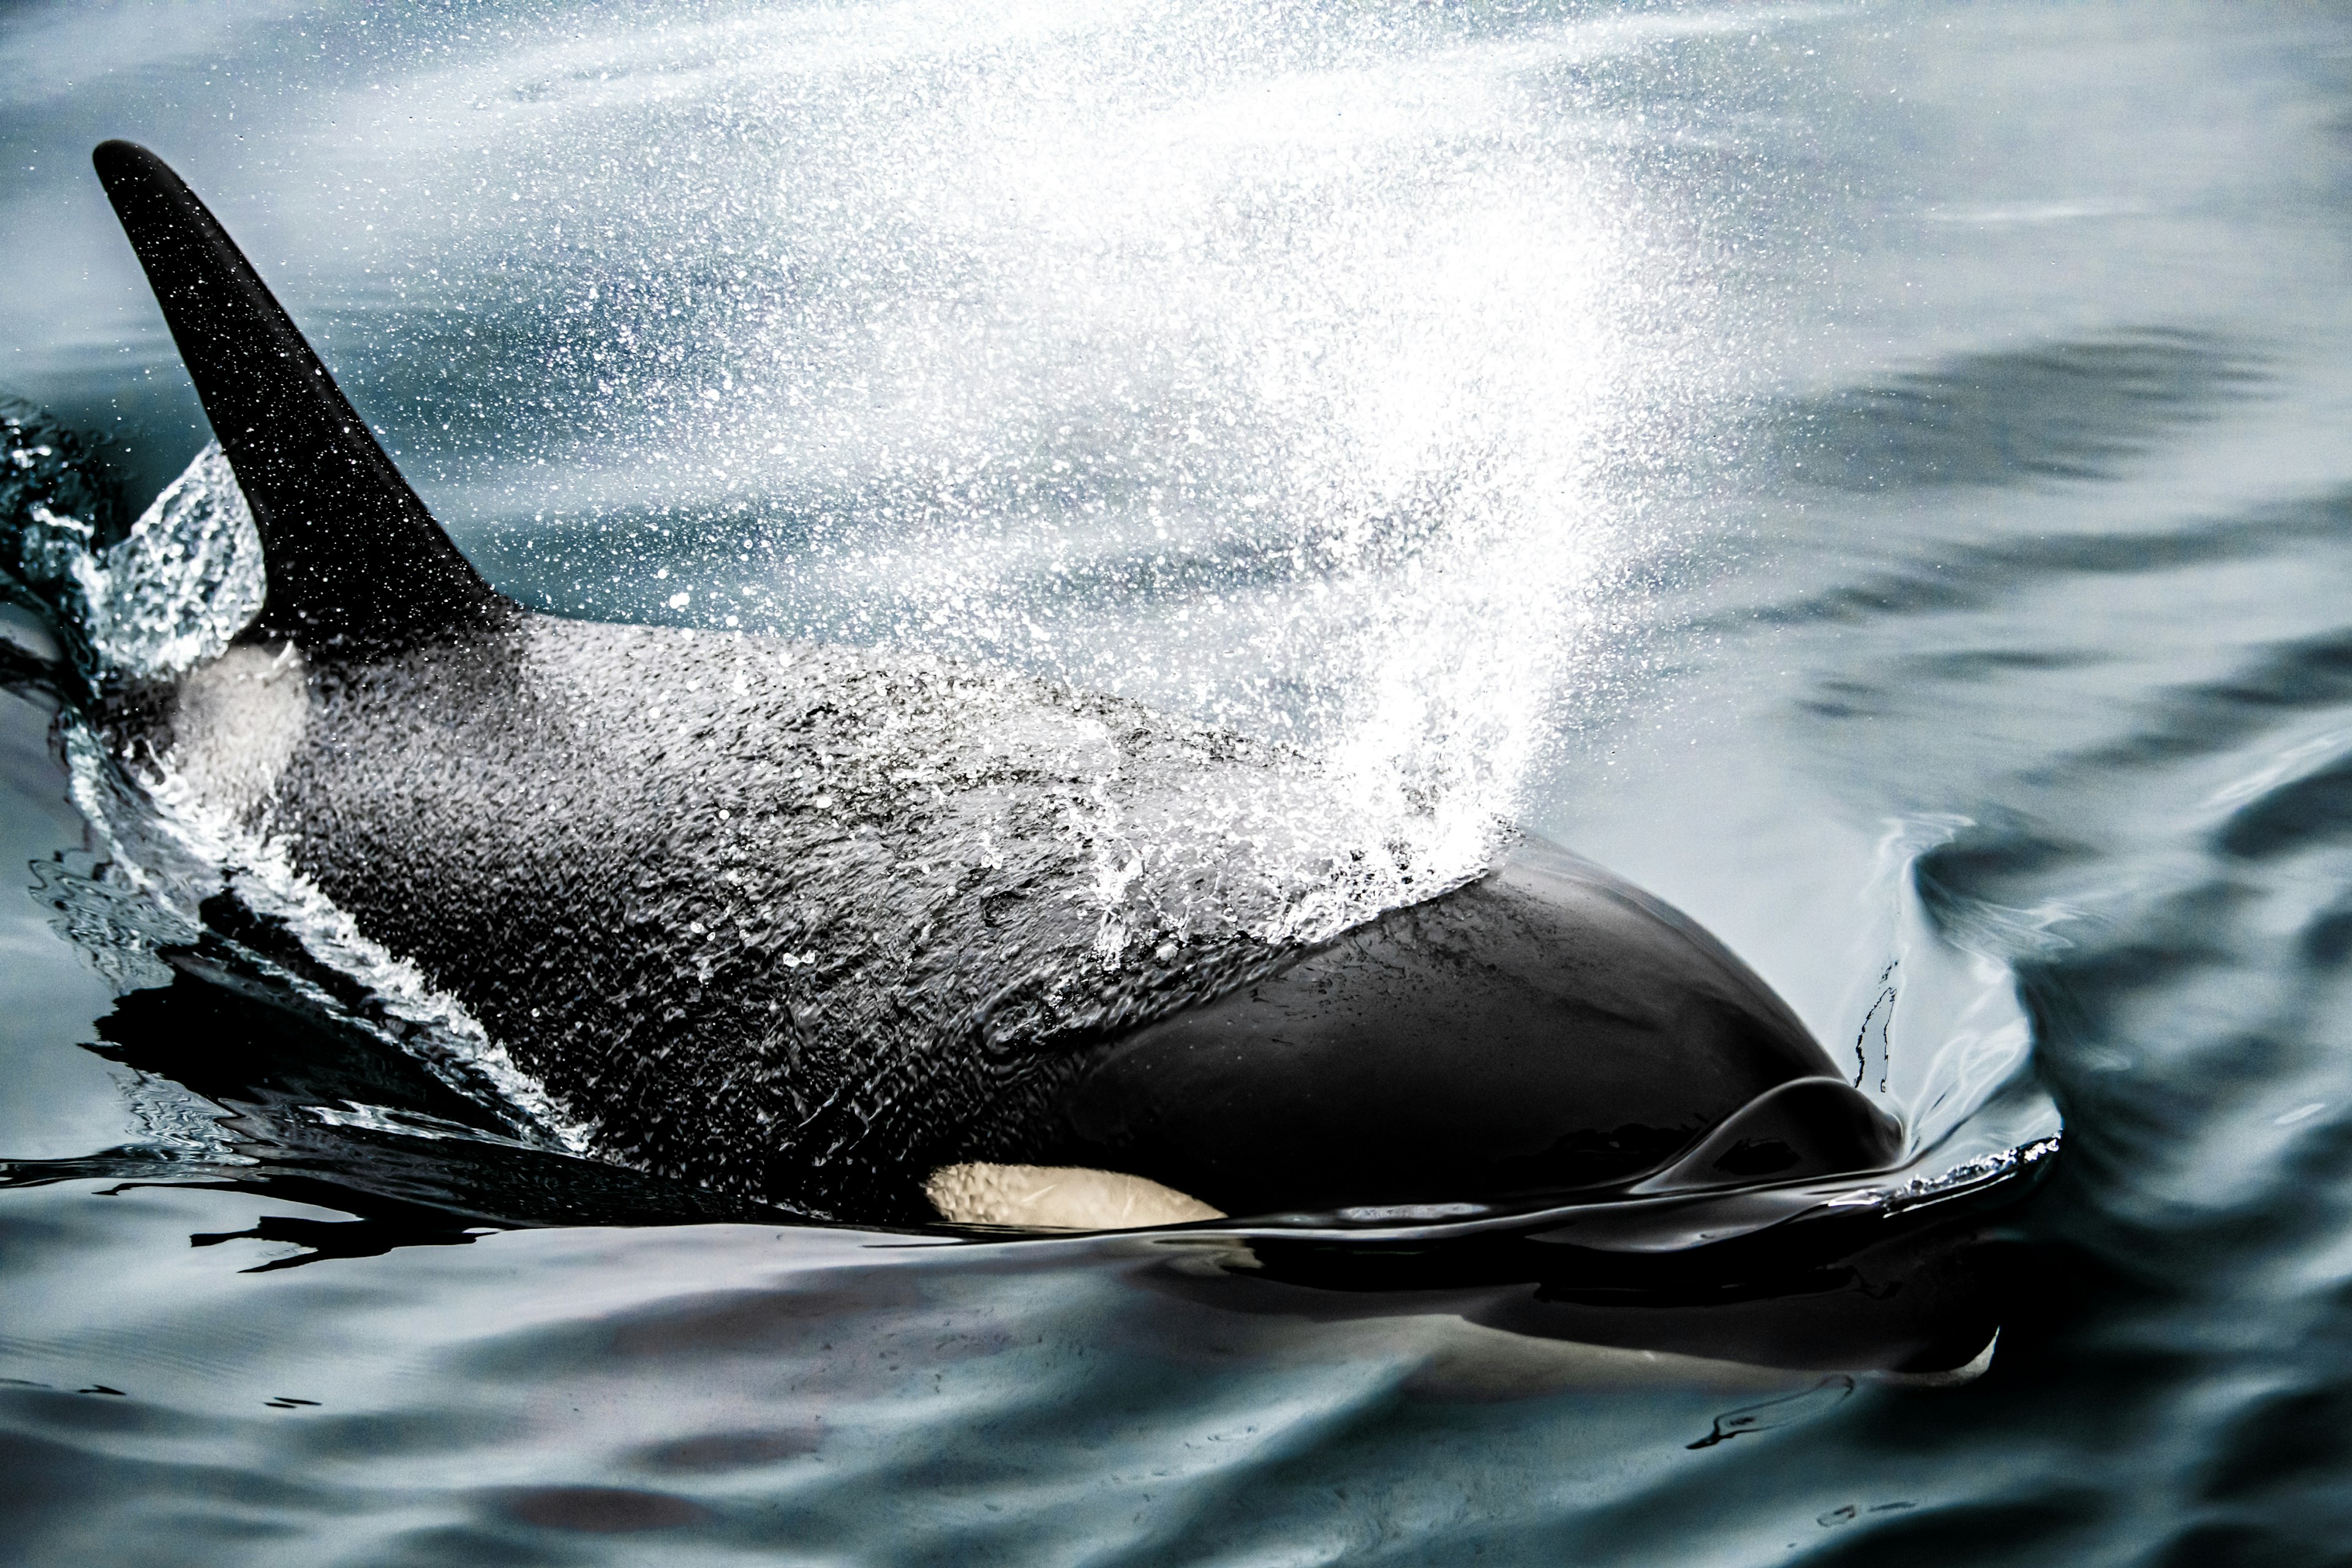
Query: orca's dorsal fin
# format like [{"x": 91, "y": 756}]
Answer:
[{"x": 351, "y": 552}]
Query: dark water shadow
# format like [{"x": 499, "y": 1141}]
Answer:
[
  {"x": 1947, "y": 577},
  {"x": 2069, "y": 410},
  {"x": 335, "y": 1118}
]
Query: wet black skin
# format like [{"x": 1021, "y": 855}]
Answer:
[
  {"x": 601, "y": 840},
  {"x": 1546, "y": 1030}
]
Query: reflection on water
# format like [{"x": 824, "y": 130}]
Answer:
[{"x": 1876, "y": 478}]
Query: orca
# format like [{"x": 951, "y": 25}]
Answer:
[{"x": 887, "y": 938}]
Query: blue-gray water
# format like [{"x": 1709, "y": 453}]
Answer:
[{"x": 1876, "y": 475}]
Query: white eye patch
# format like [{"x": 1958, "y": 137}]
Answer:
[{"x": 1058, "y": 1198}]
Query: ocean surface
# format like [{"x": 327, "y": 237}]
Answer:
[{"x": 1876, "y": 475}]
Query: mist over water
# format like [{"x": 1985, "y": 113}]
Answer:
[
  {"x": 1875, "y": 476},
  {"x": 1308, "y": 371},
  {"x": 1266, "y": 367}
]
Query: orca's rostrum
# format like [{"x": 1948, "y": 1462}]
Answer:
[{"x": 890, "y": 938}]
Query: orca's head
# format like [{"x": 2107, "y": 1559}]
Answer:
[{"x": 1547, "y": 1032}]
